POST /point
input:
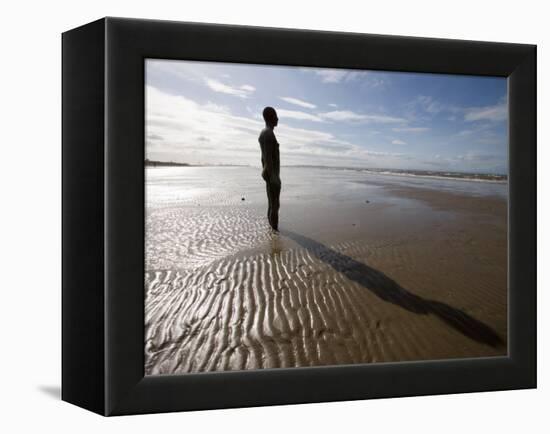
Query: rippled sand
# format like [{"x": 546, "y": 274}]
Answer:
[{"x": 412, "y": 274}]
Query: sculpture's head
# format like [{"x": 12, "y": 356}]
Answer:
[{"x": 270, "y": 117}]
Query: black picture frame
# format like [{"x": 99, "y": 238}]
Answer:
[{"x": 103, "y": 216}]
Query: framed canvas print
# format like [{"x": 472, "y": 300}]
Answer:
[{"x": 257, "y": 216}]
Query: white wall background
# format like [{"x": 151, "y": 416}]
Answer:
[{"x": 30, "y": 214}]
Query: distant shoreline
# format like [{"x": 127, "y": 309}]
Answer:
[
  {"x": 468, "y": 176},
  {"x": 154, "y": 163},
  {"x": 452, "y": 175}
]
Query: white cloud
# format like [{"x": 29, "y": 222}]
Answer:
[
  {"x": 187, "y": 71},
  {"x": 292, "y": 114},
  {"x": 430, "y": 105},
  {"x": 298, "y": 102},
  {"x": 243, "y": 91},
  {"x": 331, "y": 75},
  {"x": 343, "y": 115},
  {"x": 368, "y": 79},
  {"x": 484, "y": 132},
  {"x": 347, "y": 115},
  {"x": 185, "y": 126},
  {"x": 494, "y": 113},
  {"x": 398, "y": 142},
  {"x": 333, "y": 105},
  {"x": 410, "y": 129},
  {"x": 338, "y": 75},
  {"x": 425, "y": 108}
]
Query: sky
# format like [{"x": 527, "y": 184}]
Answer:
[{"x": 211, "y": 113}]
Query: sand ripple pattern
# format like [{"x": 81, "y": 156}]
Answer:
[
  {"x": 314, "y": 305},
  {"x": 187, "y": 238}
]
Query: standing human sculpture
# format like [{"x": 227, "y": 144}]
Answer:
[{"x": 271, "y": 165}]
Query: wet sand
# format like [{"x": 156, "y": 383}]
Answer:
[{"x": 415, "y": 273}]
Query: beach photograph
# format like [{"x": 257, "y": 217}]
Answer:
[{"x": 305, "y": 217}]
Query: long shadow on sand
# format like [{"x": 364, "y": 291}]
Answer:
[{"x": 389, "y": 290}]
